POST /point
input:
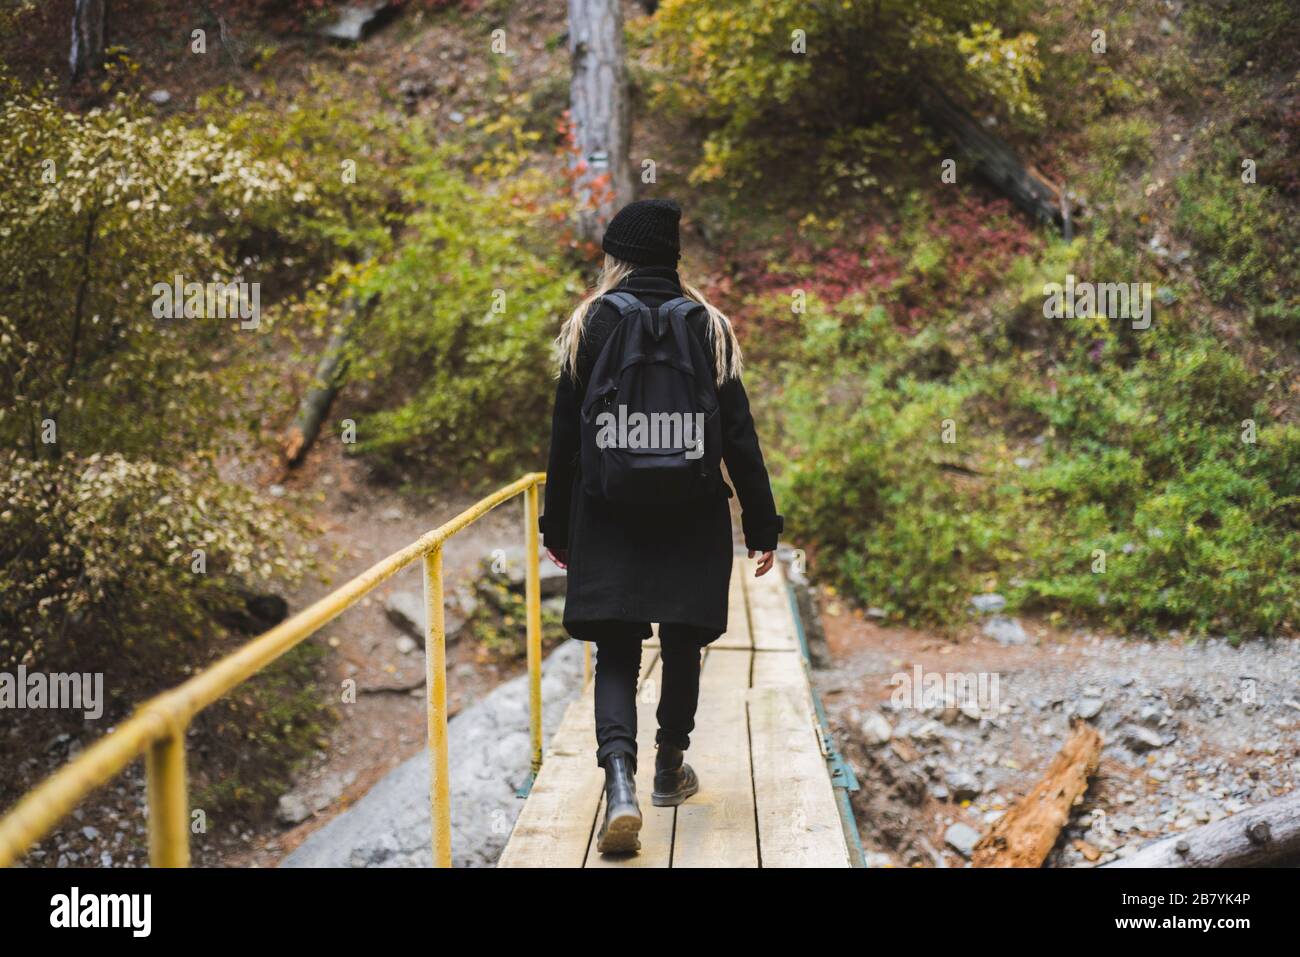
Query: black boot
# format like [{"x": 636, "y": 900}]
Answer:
[
  {"x": 674, "y": 781},
  {"x": 622, "y": 815}
]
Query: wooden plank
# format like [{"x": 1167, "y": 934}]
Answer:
[
  {"x": 798, "y": 820},
  {"x": 737, "y": 635},
  {"x": 657, "y": 822},
  {"x": 715, "y": 828},
  {"x": 779, "y": 669},
  {"x": 771, "y": 618},
  {"x": 554, "y": 827}
]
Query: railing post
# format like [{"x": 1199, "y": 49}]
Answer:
[
  {"x": 169, "y": 816},
  {"x": 533, "y": 600},
  {"x": 435, "y": 660}
]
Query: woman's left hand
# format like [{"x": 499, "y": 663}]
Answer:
[{"x": 764, "y": 563}]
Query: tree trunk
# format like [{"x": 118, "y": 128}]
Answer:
[
  {"x": 87, "y": 37},
  {"x": 1266, "y": 835},
  {"x": 600, "y": 112},
  {"x": 994, "y": 159},
  {"x": 1024, "y": 836}
]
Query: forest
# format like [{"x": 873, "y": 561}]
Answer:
[{"x": 1017, "y": 285}]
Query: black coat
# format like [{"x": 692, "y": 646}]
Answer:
[{"x": 665, "y": 564}]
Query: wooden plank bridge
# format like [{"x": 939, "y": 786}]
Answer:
[{"x": 766, "y": 797}]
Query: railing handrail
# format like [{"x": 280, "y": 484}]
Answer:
[{"x": 157, "y": 729}]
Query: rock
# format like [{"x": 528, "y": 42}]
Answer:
[
  {"x": 877, "y": 859},
  {"x": 1152, "y": 716},
  {"x": 1088, "y": 708},
  {"x": 1005, "y": 631},
  {"x": 89, "y": 833},
  {"x": 875, "y": 728},
  {"x": 988, "y": 604},
  {"x": 964, "y": 785},
  {"x": 405, "y": 609},
  {"x": 389, "y": 826},
  {"x": 406, "y": 644},
  {"x": 928, "y": 731},
  {"x": 160, "y": 97},
  {"x": 292, "y": 809},
  {"x": 1089, "y": 852},
  {"x": 507, "y": 564},
  {"x": 1142, "y": 739},
  {"x": 962, "y": 838},
  {"x": 354, "y": 21},
  {"x": 464, "y": 602}
]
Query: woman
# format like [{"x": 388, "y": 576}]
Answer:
[{"x": 630, "y": 565}]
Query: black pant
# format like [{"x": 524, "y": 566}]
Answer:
[{"x": 618, "y": 664}]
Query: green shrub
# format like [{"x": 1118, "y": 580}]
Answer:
[
  {"x": 122, "y": 545},
  {"x": 768, "y": 108},
  {"x": 1248, "y": 241},
  {"x": 897, "y": 516},
  {"x": 1139, "y": 503},
  {"x": 99, "y": 567},
  {"x": 460, "y": 338}
]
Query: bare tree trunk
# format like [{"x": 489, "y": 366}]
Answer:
[
  {"x": 601, "y": 112},
  {"x": 1265, "y": 835},
  {"x": 87, "y": 37}
]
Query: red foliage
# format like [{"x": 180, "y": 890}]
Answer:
[{"x": 979, "y": 238}]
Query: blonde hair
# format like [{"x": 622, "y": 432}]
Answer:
[{"x": 726, "y": 350}]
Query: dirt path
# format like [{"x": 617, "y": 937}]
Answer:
[{"x": 362, "y": 524}]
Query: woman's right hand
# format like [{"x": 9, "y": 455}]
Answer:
[{"x": 560, "y": 556}]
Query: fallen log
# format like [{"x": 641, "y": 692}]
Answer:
[
  {"x": 1025, "y": 835},
  {"x": 1268, "y": 834},
  {"x": 995, "y": 160},
  {"x": 331, "y": 370}
]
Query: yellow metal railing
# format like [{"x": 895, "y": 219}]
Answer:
[{"x": 157, "y": 729}]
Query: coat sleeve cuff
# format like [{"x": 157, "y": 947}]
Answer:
[
  {"x": 762, "y": 537},
  {"x": 553, "y": 537}
]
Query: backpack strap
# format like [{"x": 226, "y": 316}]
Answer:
[
  {"x": 627, "y": 304},
  {"x": 672, "y": 315}
]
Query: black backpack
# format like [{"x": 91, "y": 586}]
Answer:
[{"x": 651, "y": 433}]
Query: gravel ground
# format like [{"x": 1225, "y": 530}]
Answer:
[{"x": 1192, "y": 730}]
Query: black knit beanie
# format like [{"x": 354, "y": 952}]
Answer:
[{"x": 644, "y": 233}]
